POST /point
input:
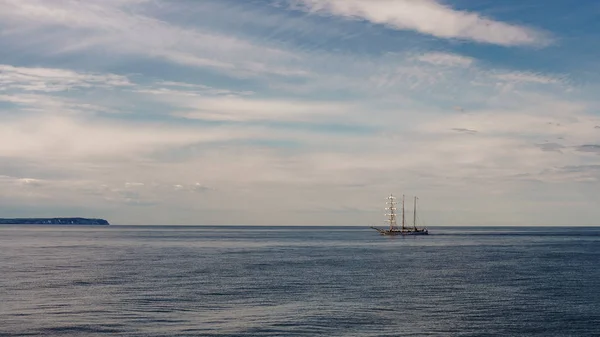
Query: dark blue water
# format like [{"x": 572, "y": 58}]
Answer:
[{"x": 313, "y": 281}]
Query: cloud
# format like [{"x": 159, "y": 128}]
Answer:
[
  {"x": 196, "y": 101},
  {"x": 53, "y": 79},
  {"x": 47, "y": 104},
  {"x": 568, "y": 174},
  {"x": 196, "y": 187},
  {"x": 527, "y": 77},
  {"x": 54, "y": 137},
  {"x": 463, "y": 130},
  {"x": 445, "y": 59},
  {"x": 551, "y": 147},
  {"x": 186, "y": 88},
  {"x": 592, "y": 148},
  {"x": 533, "y": 116},
  {"x": 205, "y": 110},
  {"x": 428, "y": 17},
  {"x": 133, "y": 184},
  {"x": 127, "y": 28},
  {"x": 30, "y": 182},
  {"x": 582, "y": 168},
  {"x": 119, "y": 26},
  {"x": 243, "y": 109}
]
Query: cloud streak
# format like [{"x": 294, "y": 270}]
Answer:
[
  {"x": 428, "y": 17},
  {"x": 120, "y": 105},
  {"x": 446, "y": 59},
  {"x": 53, "y": 137},
  {"x": 118, "y": 26},
  {"x": 53, "y": 79}
]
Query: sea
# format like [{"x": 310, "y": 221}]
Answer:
[{"x": 298, "y": 281}]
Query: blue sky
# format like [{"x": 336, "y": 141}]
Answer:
[{"x": 300, "y": 111}]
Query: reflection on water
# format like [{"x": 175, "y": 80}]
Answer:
[{"x": 262, "y": 281}]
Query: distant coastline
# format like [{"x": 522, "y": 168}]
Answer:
[{"x": 53, "y": 221}]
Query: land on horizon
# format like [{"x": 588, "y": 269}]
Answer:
[{"x": 53, "y": 221}]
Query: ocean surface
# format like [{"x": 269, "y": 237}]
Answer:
[{"x": 298, "y": 281}]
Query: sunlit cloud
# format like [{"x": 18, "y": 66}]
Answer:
[
  {"x": 428, "y": 17},
  {"x": 171, "y": 108}
]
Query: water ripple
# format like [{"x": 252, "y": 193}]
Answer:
[{"x": 208, "y": 281}]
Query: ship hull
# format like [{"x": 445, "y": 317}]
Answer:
[
  {"x": 405, "y": 233},
  {"x": 401, "y": 232},
  {"x": 416, "y": 233}
]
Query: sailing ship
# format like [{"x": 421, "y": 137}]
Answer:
[{"x": 404, "y": 229}]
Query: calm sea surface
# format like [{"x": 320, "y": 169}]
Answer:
[{"x": 298, "y": 281}]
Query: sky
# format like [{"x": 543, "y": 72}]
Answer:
[{"x": 300, "y": 112}]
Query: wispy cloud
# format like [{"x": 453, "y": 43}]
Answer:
[
  {"x": 428, "y": 17},
  {"x": 535, "y": 119},
  {"x": 122, "y": 104},
  {"x": 527, "y": 77},
  {"x": 243, "y": 109},
  {"x": 48, "y": 105},
  {"x": 553, "y": 147},
  {"x": 463, "y": 130},
  {"x": 53, "y": 79},
  {"x": 591, "y": 148},
  {"x": 116, "y": 25},
  {"x": 47, "y": 137},
  {"x": 445, "y": 59}
]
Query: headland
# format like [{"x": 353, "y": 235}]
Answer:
[{"x": 54, "y": 221}]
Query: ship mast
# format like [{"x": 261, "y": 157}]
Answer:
[
  {"x": 403, "y": 218},
  {"x": 415, "y": 214},
  {"x": 392, "y": 213}
]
